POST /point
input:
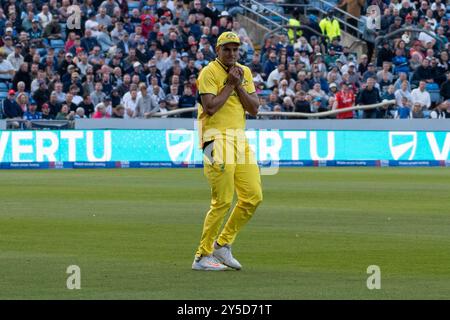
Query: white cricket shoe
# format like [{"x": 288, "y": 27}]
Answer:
[
  {"x": 208, "y": 263},
  {"x": 223, "y": 254}
]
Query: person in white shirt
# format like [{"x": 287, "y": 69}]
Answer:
[
  {"x": 275, "y": 76},
  {"x": 45, "y": 17},
  {"x": 284, "y": 90},
  {"x": 7, "y": 70},
  {"x": 129, "y": 101},
  {"x": 425, "y": 37},
  {"x": 421, "y": 95},
  {"x": 15, "y": 58},
  {"x": 402, "y": 92}
]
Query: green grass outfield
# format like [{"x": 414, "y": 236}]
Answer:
[{"x": 133, "y": 233}]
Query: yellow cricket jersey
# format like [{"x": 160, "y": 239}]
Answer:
[{"x": 231, "y": 115}]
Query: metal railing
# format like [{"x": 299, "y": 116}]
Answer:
[
  {"x": 257, "y": 16},
  {"x": 401, "y": 30},
  {"x": 323, "y": 7},
  {"x": 289, "y": 114}
]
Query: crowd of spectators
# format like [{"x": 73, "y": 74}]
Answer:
[
  {"x": 131, "y": 62},
  {"x": 317, "y": 73}
]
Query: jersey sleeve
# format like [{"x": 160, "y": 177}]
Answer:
[
  {"x": 207, "y": 82},
  {"x": 250, "y": 87}
]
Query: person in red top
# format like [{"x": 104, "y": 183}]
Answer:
[
  {"x": 345, "y": 98},
  {"x": 147, "y": 24}
]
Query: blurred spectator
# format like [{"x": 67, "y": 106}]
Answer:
[
  {"x": 330, "y": 26},
  {"x": 345, "y": 98},
  {"x": 367, "y": 96},
  {"x": 421, "y": 95},
  {"x": 440, "y": 112}
]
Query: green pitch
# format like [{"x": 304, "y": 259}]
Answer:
[{"x": 133, "y": 233}]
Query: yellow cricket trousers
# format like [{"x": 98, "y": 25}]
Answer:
[{"x": 229, "y": 172}]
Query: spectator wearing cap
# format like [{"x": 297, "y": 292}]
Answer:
[
  {"x": 11, "y": 108},
  {"x": 421, "y": 95},
  {"x": 147, "y": 24},
  {"x": 165, "y": 23},
  {"x": 52, "y": 30},
  {"x": 8, "y": 46},
  {"x": 384, "y": 54},
  {"x": 331, "y": 57},
  {"x": 35, "y": 33},
  {"x": 46, "y": 112},
  {"x": 396, "y": 25},
  {"x": 32, "y": 113}
]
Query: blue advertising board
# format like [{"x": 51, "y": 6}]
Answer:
[{"x": 179, "y": 148}]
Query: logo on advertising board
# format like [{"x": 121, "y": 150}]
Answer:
[
  {"x": 180, "y": 144},
  {"x": 403, "y": 145}
]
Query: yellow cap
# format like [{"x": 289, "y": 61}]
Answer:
[{"x": 228, "y": 37}]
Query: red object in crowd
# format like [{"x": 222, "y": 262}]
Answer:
[
  {"x": 345, "y": 100},
  {"x": 99, "y": 115},
  {"x": 148, "y": 21}
]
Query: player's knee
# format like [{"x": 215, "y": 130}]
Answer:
[
  {"x": 224, "y": 203},
  {"x": 253, "y": 201}
]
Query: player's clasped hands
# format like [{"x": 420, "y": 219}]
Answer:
[{"x": 235, "y": 75}]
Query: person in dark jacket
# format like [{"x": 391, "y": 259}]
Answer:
[
  {"x": 384, "y": 54},
  {"x": 22, "y": 75},
  {"x": 423, "y": 72},
  {"x": 445, "y": 88},
  {"x": 369, "y": 95},
  {"x": 11, "y": 109}
]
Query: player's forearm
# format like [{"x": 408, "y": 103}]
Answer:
[
  {"x": 218, "y": 101},
  {"x": 250, "y": 103}
]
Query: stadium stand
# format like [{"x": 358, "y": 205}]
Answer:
[{"x": 303, "y": 66}]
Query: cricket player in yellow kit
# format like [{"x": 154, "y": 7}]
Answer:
[{"x": 226, "y": 91}]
